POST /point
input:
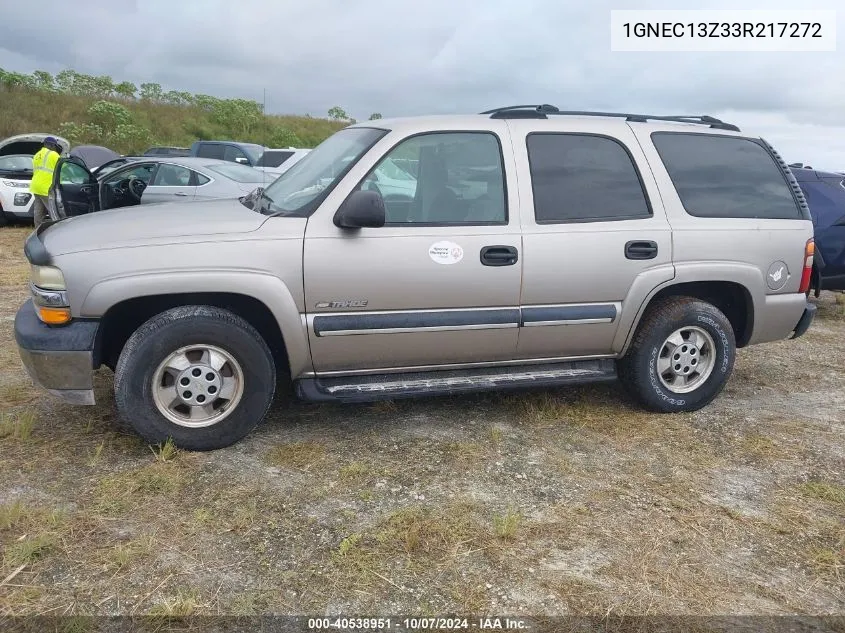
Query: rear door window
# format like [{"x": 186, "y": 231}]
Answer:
[
  {"x": 169, "y": 175},
  {"x": 583, "y": 178},
  {"x": 725, "y": 176}
]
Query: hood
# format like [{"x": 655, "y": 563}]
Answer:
[
  {"x": 94, "y": 155},
  {"x": 151, "y": 224},
  {"x": 29, "y": 143}
]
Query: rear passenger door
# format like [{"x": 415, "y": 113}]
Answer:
[
  {"x": 595, "y": 236},
  {"x": 170, "y": 183}
]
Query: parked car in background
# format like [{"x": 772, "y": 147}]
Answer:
[
  {"x": 168, "y": 151},
  {"x": 77, "y": 190},
  {"x": 114, "y": 164},
  {"x": 825, "y": 193},
  {"x": 94, "y": 155},
  {"x": 233, "y": 151},
  {"x": 278, "y": 161},
  {"x": 16, "y": 154}
]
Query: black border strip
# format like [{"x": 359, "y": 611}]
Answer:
[
  {"x": 450, "y": 318},
  {"x": 568, "y": 313}
]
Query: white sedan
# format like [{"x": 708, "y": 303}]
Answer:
[{"x": 16, "y": 154}]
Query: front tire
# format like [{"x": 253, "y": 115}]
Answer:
[
  {"x": 199, "y": 375},
  {"x": 681, "y": 357}
]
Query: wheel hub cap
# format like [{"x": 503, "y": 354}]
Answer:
[
  {"x": 686, "y": 359},
  {"x": 197, "y": 385}
]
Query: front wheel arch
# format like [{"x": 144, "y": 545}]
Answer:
[{"x": 122, "y": 319}]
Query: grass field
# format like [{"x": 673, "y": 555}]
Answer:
[
  {"x": 549, "y": 502},
  {"x": 24, "y": 111}
]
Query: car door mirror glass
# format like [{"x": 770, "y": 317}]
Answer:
[{"x": 361, "y": 209}]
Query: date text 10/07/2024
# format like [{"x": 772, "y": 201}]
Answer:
[{"x": 416, "y": 624}]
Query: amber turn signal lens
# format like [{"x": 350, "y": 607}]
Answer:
[{"x": 54, "y": 316}]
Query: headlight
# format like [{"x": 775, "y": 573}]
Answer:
[
  {"x": 17, "y": 184},
  {"x": 48, "y": 277}
]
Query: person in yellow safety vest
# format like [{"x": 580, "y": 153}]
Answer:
[{"x": 43, "y": 165}]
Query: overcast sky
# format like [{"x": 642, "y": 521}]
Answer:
[{"x": 400, "y": 57}]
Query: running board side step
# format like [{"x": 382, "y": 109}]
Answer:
[{"x": 372, "y": 387}]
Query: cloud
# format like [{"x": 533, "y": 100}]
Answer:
[{"x": 438, "y": 56}]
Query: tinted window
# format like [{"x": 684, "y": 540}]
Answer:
[
  {"x": 201, "y": 180},
  {"x": 273, "y": 159},
  {"x": 210, "y": 150},
  {"x": 725, "y": 177},
  {"x": 239, "y": 173},
  {"x": 235, "y": 155},
  {"x": 581, "y": 177},
  {"x": 171, "y": 176},
  {"x": 460, "y": 180}
]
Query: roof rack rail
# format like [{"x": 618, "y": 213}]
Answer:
[{"x": 542, "y": 111}]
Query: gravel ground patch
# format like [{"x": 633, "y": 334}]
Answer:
[{"x": 544, "y": 503}]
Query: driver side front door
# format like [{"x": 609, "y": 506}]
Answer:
[{"x": 75, "y": 190}]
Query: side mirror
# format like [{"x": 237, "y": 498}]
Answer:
[
  {"x": 361, "y": 209},
  {"x": 240, "y": 159}
]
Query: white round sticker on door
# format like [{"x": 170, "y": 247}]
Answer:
[{"x": 446, "y": 252}]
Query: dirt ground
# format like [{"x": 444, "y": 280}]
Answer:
[{"x": 542, "y": 503}]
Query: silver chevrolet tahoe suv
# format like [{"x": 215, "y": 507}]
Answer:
[{"x": 520, "y": 247}]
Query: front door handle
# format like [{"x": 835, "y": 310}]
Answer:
[
  {"x": 180, "y": 193},
  {"x": 641, "y": 250},
  {"x": 499, "y": 255},
  {"x": 86, "y": 189}
]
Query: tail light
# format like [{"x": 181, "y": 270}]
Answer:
[{"x": 807, "y": 273}]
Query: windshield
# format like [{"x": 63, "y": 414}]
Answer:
[
  {"x": 238, "y": 173},
  {"x": 302, "y": 187},
  {"x": 16, "y": 163}
]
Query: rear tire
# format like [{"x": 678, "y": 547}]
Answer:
[
  {"x": 682, "y": 355},
  {"x": 224, "y": 363}
]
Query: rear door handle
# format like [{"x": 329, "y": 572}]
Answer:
[
  {"x": 499, "y": 255},
  {"x": 180, "y": 193},
  {"x": 641, "y": 250}
]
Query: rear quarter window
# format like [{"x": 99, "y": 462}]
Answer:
[
  {"x": 726, "y": 176},
  {"x": 210, "y": 150}
]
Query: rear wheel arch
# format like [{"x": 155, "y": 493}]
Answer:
[
  {"x": 122, "y": 319},
  {"x": 733, "y": 299}
]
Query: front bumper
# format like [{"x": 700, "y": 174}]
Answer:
[
  {"x": 805, "y": 321},
  {"x": 58, "y": 359},
  {"x": 11, "y": 208}
]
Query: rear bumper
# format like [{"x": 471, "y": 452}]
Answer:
[
  {"x": 778, "y": 317},
  {"x": 58, "y": 359},
  {"x": 805, "y": 321}
]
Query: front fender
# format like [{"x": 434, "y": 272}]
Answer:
[{"x": 263, "y": 287}]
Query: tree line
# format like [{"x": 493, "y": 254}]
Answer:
[{"x": 110, "y": 118}]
